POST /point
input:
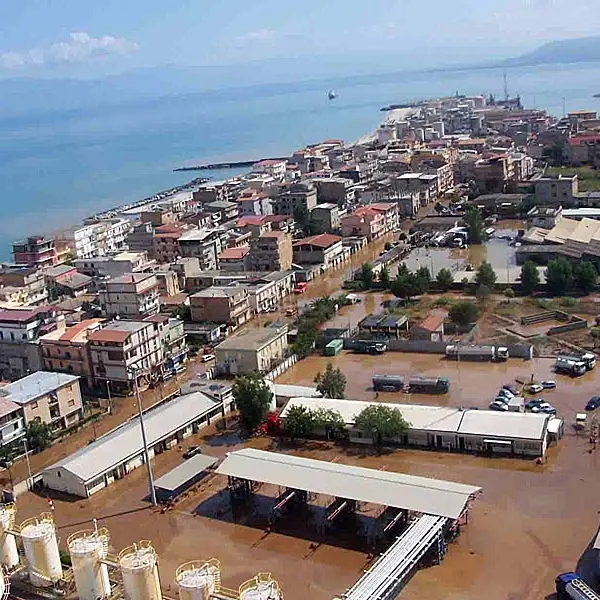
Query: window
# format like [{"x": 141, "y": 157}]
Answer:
[
  {"x": 34, "y": 405},
  {"x": 71, "y": 402}
]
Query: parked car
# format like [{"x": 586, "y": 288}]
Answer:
[
  {"x": 499, "y": 406},
  {"x": 544, "y": 407},
  {"x": 548, "y": 385},
  {"x": 593, "y": 403},
  {"x": 506, "y": 393},
  {"x": 535, "y": 388},
  {"x": 534, "y": 403},
  {"x": 511, "y": 388},
  {"x": 208, "y": 357},
  {"x": 503, "y": 399},
  {"x": 192, "y": 451}
]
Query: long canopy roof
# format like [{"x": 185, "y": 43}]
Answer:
[{"x": 419, "y": 494}]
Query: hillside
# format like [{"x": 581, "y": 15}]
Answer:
[{"x": 560, "y": 52}]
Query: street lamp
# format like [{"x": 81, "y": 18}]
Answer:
[
  {"x": 28, "y": 463},
  {"x": 134, "y": 372},
  {"x": 109, "y": 398}
]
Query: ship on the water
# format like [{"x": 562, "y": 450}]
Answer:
[{"x": 332, "y": 94}]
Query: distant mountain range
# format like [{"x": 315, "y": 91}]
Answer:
[{"x": 559, "y": 52}]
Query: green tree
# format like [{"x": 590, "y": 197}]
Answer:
[
  {"x": 182, "y": 312},
  {"x": 482, "y": 292},
  {"x": 39, "y": 436},
  {"x": 367, "y": 276},
  {"x": 485, "y": 275},
  {"x": 330, "y": 420},
  {"x": 381, "y": 422},
  {"x": 384, "y": 277},
  {"x": 299, "y": 422},
  {"x": 402, "y": 270},
  {"x": 474, "y": 223},
  {"x": 530, "y": 278},
  {"x": 302, "y": 218},
  {"x": 559, "y": 276},
  {"x": 585, "y": 276},
  {"x": 407, "y": 286},
  {"x": 509, "y": 294},
  {"x": 387, "y": 246},
  {"x": 444, "y": 279},
  {"x": 331, "y": 383},
  {"x": 463, "y": 313},
  {"x": 595, "y": 334},
  {"x": 424, "y": 275},
  {"x": 253, "y": 399}
]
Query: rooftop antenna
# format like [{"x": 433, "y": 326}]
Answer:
[{"x": 505, "y": 87}]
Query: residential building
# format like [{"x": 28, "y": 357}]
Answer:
[
  {"x": 363, "y": 222},
  {"x": 338, "y": 190},
  {"x": 66, "y": 350},
  {"x": 234, "y": 259},
  {"x": 114, "y": 266},
  {"x": 294, "y": 197},
  {"x": 168, "y": 282},
  {"x": 252, "y": 350},
  {"x": 544, "y": 218},
  {"x": 12, "y": 422},
  {"x": 274, "y": 167},
  {"x": 203, "y": 244},
  {"x": 324, "y": 249},
  {"x": 256, "y": 225},
  {"x": 229, "y": 305},
  {"x": 272, "y": 251},
  {"x": 212, "y": 192},
  {"x": 100, "y": 237},
  {"x": 284, "y": 223},
  {"x": 64, "y": 280},
  {"x": 123, "y": 350},
  {"x": 165, "y": 244},
  {"x": 131, "y": 296},
  {"x": 430, "y": 329},
  {"x": 556, "y": 191},
  {"x": 327, "y": 215},
  {"x": 390, "y": 212},
  {"x": 225, "y": 210},
  {"x": 174, "y": 343},
  {"x": 158, "y": 217},
  {"x": 141, "y": 238},
  {"x": 35, "y": 251},
  {"x": 20, "y": 329},
  {"x": 52, "y": 398},
  {"x": 421, "y": 183},
  {"x": 252, "y": 202},
  {"x": 29, "y": 280}
]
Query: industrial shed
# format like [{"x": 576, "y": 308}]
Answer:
[
  {"x": 115, "y": 454},
  {"x": 468, "y": 430},
  {"x": 183, "y": 476}
]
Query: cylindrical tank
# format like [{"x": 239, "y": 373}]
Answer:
[
  {"x": 41, "y": 549},
  {"x": 139, "y": 569},
  {"x": 9, "y": 555},
  {"x": 261, "y": 587},
  {"x": 87, "y": 549},
  {"x": 197, "y": 580}
]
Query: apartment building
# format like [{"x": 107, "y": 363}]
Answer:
[
  {"x": 100, "y": 237},
  {"x": 273, "y": 167},
  {"x": 234, "y": 259},
  {"x": 229, "y": 305},
  {"x": 30, "y": 281},
  {"x": 123, "y": 348},
  {"x": 294, "y": 197},
  {"x": 12, "y": 422},
  {"x": 327, "y": 215},
  {"x": 141, "y": 238},
  {"x": 252, "y": 350},
  {"x": 203, "y": 244},
  {"x": 363, "y": 222},
  {"x": 173, "y": 341},
  {"x": 131, "y": 296},
  {"x": 284, "y": 223},
  {"x": 324, "y": 249},
  {"x": 65, "y": 350},
  {"x": 165, "y": 248},
  {"x": 52, "y": 398},
  {"x": 20, "y": 329},
  {"x": 272, "y": 251},
  {"x": 35, "y": 251},
  {"x": 114, "y": 266},
  {"x": 390, "y": 212}
]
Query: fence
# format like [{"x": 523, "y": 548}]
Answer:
[
  {"x": 281, "y": 368},
  {"x": 575, "y": 324}
]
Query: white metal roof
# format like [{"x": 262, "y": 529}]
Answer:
[
  {"x": 184, "y": 472},
  {"x": 434, "y": 418},
  {"x": 125, "y": 442},
  {"x": 292, "y": 391},
  {"x": 36, "y": 385},
  {"x": 409, "y": 492},
  {"x": 507, "y": 425}
]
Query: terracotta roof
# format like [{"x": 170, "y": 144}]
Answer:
[
  {"x": 109, "y": 335},
  {"x": 382, "y": 206},
  {"x": 17, "y": 315},
  {"x": 175, "y": 300},
  {"x": 273, "y": 234},
  {"x": 74, "y": 331},
  {"x": 323, "y": 240},
  {"x": 234, "y": 253},
  {"x": 276, "y": 218},
  {"x": 432, "y": 322},
  {"x": 249, "y": 220}
]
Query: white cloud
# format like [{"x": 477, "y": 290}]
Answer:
[
  {"x": 259, "y": 35},
  {"x": 80, "y": 47}
]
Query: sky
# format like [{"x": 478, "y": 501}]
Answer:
[{"x": 81, "y": 38}]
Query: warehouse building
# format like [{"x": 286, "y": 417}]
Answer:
[
  {"x": 115, "y": 454},
  {"x": 465, "y": 430}
]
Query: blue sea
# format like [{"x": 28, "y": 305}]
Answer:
[{"x": 57, "y": 167}]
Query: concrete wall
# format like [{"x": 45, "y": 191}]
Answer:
[{"x": 568, "y": 327}]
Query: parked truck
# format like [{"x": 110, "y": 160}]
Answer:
[
  {"x": 428, "y": 385},
  {"x": 477, "y": 353},
  {"x": 370, "y": 347},
  {"x": 388, "y": 383},
  {"x": 588, "y": 358},
  {"x": 569, "y": 586},
  {"x": 570, "y": 366}
]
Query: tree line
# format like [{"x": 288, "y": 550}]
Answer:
[{"x": 561, "y": 277}]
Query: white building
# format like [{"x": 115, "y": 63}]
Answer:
[
  {"x": 101, "y": 237},
  {"x": 120, "y": 451},
  {"x": 447, "y": 428},
  {"x": 12, "y": 421},
  {"x": 131, "y": 296}
]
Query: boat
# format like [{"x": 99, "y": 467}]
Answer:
[
  {"x": 331, "y": 94},
  {"x": 596, "y": 96}
]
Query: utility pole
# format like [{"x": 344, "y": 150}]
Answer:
[
  {"x": 505, "y": 87},
  {"x": 29, "y": 483},
  {"x": 109, "y": 398},
  {"x": 146, "y": 455}
]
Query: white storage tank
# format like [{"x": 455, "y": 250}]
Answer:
[
  {"x": 9, "y": 555},
  {"x": 197, "y": 580},
  {"x": 87, "y": 550},
  {"x": 41, "y": 549},
  {"x": 139, "y": 569},
  {"x": 261, "y": 587}
]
